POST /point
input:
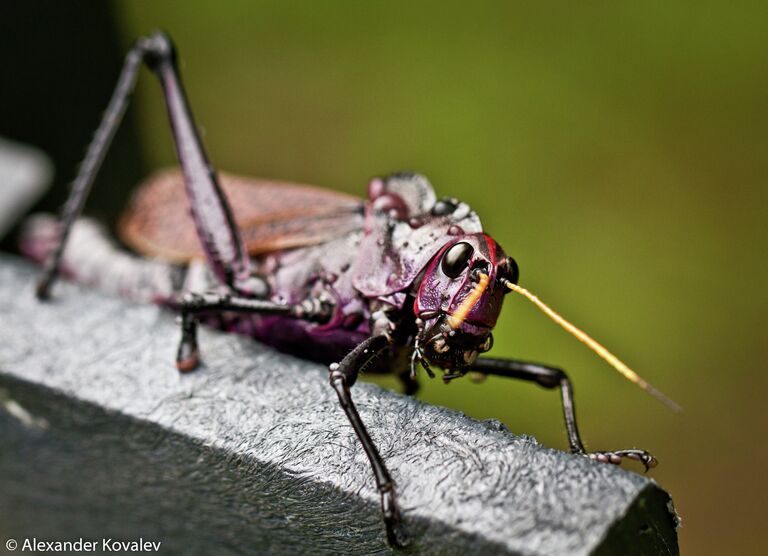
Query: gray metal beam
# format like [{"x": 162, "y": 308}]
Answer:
[{"x": 101, "y": 437}]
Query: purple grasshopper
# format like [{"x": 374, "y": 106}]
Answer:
[{"x": 398, "y": 282}]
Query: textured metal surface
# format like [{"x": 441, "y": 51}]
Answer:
[{"x": 101, "y": 436}]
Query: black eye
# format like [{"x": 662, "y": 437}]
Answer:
[
  {"x": 511, "y": 270},
  {"x": 443, "y": 207},
  {"x": 456, "y": 259}
]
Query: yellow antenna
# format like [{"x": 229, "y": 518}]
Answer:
[
  {"x": 582, "y": 336},
  {"x": 461, "y": 313}
]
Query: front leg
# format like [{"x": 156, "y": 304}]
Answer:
[
  {"x": 343, "y": 376},
  {"x": 551, "y": 377}
]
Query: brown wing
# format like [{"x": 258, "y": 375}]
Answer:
[{"x": 271, "y": 215}]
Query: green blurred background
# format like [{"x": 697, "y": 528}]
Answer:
[{"x": 616, "y": 150}]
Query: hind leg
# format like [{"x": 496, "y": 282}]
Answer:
[{"x": 210, "y": 209}]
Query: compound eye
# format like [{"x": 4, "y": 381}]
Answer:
[
  {"x": 456, "y": 259},
  {"x": 511, "y": 270},
  {"x": 443, "y": 207}
]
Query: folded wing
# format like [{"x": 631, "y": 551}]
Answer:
[{"x": 271, "y": 216}]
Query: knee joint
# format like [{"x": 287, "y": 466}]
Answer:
[
  {"x": 157, "y": 48},
  {"x": 554, "y": 378}
]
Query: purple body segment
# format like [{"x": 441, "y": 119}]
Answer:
[
  {"x": 320, "y": 271},
  {"x": 439, "y": 293},
  {"x": 376, "y": 269}
]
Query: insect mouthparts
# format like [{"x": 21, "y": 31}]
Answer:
[{"x": 440, "y": 345}]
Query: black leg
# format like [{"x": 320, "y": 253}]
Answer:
[
  {"x": 343, "y": 376},
  {"x": 213, "y": 217},
  {"x": 192, "y": 304},
  {"x": 410, "y": 385},
  {"x": 551, "y": 377},
  {"x": 90, "y": 166},
  {"x": 188, "y": 354},
  {"x": 216, "y": 228}
]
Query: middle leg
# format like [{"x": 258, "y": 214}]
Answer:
[{"x": 191, "y": 305}]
